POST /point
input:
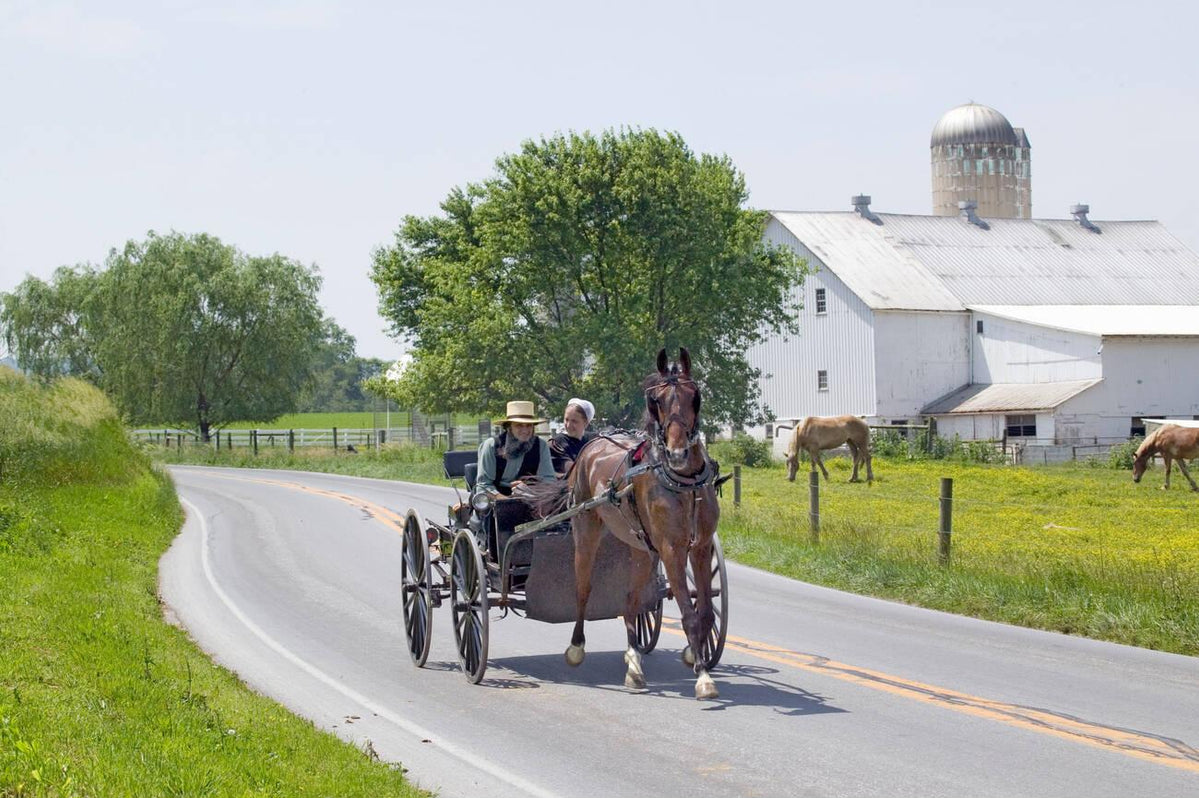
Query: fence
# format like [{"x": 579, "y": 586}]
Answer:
[{"x": 434, "y": 436}]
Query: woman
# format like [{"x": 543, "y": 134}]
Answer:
[{"x": 566, "y": 445}]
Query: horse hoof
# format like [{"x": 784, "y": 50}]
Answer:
[
  {"x": 574, "y": 656},
  {"x": 688, "y": 657},
  {"x": 634, "y": 681},
  {"x": 705, "y": 688}
]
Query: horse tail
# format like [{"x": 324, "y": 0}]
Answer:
[{"x": 545, "y": 496}]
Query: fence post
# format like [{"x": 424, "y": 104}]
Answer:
[
  {"x": 229, "y": 442},
  {"x": 254, "y": 440},
  {"x": 946, "y": 532},
  {"x": 335, "y": 439},
  {"x": 218, "y": 440},
  {"x": 737, "y": 486},
  {"x": 814, "y": 502}
]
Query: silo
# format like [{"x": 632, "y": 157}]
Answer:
[{"x": 977, "y": 155}]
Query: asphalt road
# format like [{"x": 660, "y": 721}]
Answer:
[{"x": 292, "y": 580}]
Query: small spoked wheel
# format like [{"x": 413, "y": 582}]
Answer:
[
  {"x": 416, "y": 581},
  {"x": 468, "y": 592},
  {"x": 648, "y": 626},
  {"x": 713, "y": 645}
]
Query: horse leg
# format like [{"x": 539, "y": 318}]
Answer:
[
  {"x": 869, "y": 469},
  {"x": 1182, "y": 466},
  {"x": 1169, "y": 463},
  {"x": 817, "y": 460},
  {"x": 853, "y": 450},
  {"x": 701, "y": 566},
  {"x": 674, "y": 558},
  {"x": 587, "y": 531},
  {"x": 640, "y": 572}
]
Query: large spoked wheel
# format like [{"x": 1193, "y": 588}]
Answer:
[
  {"x": 468, "y": 591},
  {"x": 649, "y": 623},
  {"x": 713, "y": 645},
  {"x": 416, "y": 578}
]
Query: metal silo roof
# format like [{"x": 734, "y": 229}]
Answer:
[{"x": 973, "y": 124}]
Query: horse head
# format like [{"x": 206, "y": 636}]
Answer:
[
  {"x": 672, "y": 404},
  {"x": 1141, "y": 461}
]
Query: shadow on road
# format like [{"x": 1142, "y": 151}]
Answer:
[{"x": 666, "y": 676}]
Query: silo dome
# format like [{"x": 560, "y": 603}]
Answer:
[{"x": 973, "y": 124}]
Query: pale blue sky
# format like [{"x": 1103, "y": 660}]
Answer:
[{"x": 311, "y": 128}]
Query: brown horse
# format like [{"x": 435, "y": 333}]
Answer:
[
  {"x": 817, "y": 433},
  {"x": 1172, "y": 442},
  {"x": 673, "y": 509}
]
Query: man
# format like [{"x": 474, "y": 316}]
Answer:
[{"x": 514, "y": 453}]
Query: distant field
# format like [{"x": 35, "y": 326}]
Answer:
[{"x": 398, "y": 418}]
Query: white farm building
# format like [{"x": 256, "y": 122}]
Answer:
[{"x": 1062, "y": 332}]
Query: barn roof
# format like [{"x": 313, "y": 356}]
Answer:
[
  {"x": 1104, "y": 320},
  {"x": 1007, "y": 397},
  {"x": 947, "y": 263}
]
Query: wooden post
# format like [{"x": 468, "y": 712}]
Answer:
[
  {"x": 737, "y": 486},
  {"x": 946, "y": 532},
  {"x": 814, "y": 502},
  {"x": 218, "y": 440},
  {"x": 291, "y": 441},
  {"x": 229, "y": 442},
  {"x": 254, "y": 440},
  {"x": 335, "y": 439}
]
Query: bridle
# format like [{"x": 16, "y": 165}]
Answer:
[{"x": 671, "y": 479}]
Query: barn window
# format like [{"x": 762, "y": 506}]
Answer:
[
  {"x": 822, "y": 380},
  {"x": 979, "y": 326},
  {"x": 1137, "y": 429},
  {"x": 769, "y": 431},
  {"x": 1022, "y": 426},
  {"x": 821, "y": 301}
]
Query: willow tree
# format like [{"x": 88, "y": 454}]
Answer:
[
  {"x": 566, "y": 271},
  {"x": 176, "y": 329}
]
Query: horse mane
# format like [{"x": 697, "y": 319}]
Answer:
[{"x": 1149, "y": 445}]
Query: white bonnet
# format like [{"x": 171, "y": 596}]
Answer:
[{"x": 587, "y": 408}]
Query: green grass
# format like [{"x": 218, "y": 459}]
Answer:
[
  {"x": 98, "y": 695},
  {"x": 1073, "y": 548}
]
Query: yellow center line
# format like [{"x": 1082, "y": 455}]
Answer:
[{"x": 1141, "y": 745}]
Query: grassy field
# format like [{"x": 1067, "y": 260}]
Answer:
[
  {"x": 397, "y": 419},
  {"x": 1073, "y": 548},
  {"x": 98, "y": 695}
]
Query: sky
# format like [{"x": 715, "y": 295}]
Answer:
[{"x": 312, "y": 128}]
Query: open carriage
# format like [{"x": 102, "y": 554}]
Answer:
[{"x": 495, "y": 555}]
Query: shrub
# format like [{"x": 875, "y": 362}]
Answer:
[
  {"x": 743, "y": 450},
  {"x": 1121, "y": 455}
]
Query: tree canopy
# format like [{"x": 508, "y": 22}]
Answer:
[
  {"x": 176, "y": 329},
  {"x": 565, "y": 272}
]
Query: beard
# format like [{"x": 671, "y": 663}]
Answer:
[{"x": 515, "y": 448}]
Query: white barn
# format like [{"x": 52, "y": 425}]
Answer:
[{"x": 1060, "y": 332}]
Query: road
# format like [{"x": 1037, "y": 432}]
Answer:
[{"x": 291, "y": 580}]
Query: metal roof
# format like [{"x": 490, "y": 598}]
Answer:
[
  {"x": 1109, "y": 320},
  {"x": 946, "y": 263},
  {"x": 1007, "y": 397},
  {"x": 973, "y": 123}
]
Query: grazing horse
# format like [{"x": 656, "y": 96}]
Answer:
[
  {"x": 817, "y": 433},
  {"x": 670, "y": 508},
  {"x": 1172, "y": 442}
]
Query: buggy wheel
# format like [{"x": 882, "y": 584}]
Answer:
[
  {"x": 417, "y": 590},
  {"x": 649, "y": 623},
  {"x": 713, "y": 645},
  {"x": 468, "y": 593}
]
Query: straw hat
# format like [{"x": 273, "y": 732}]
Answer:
[{"x": 521, "y": 413}]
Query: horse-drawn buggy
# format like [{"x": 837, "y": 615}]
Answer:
[{"x": 632, "y": 524}]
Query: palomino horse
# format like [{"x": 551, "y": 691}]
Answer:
[
  {"x": 1172, "y": 442},
  {"x": 673, "y": 510},
  {"x": 817, "y": 433}
]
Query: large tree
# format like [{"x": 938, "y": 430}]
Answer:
[
  {"x": 565, "y": 272},
  {"x": 177, "y": 329}
]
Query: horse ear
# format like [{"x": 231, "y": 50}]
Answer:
[
  {"x": 685, "y": 361},
  {"x": 662, "y": 361}
]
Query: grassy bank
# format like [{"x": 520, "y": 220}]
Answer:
[
  {"x": 98, "y": 695},
  {"x": 1072, "y": 548}
]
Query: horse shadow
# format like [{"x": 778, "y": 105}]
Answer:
[{"x": 666, "y": 678}]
